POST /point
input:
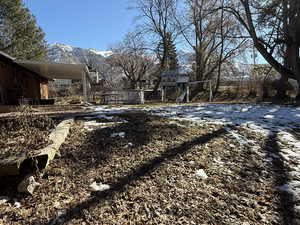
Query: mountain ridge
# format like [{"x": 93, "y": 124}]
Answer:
[{"x": 63, "y": 53}]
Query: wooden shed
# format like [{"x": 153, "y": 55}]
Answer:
[
  {"x": 18, "y": 83},
  {"x": 23, "y": 80}
]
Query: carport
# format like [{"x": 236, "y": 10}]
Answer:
[{"x": 61, "y": 71}]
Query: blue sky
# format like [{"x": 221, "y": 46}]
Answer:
[{"x": 88, "y": 24}]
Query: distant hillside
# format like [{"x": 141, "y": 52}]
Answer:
[{"x": 62, "y": 53}]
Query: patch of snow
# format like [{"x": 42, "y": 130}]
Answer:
[
  {"x": 201, "y": 174},
  {"x": 102, "y": 110},
  {"x": 274, "y": 156},
  {"x": 4, "y": 199},
  {"x": 129, "y": 145},
  {"x": 176, "y": 123},
  {"x": 289, "y": 139},
  {"x": 93, "y": 123},
  {"x": 17, "y": 204},
  {"x": 285, "y": 188},
  {"x": 242, "y": 140},
  {"x": 109, "y": 118},
  {"x": 105, "y": 54},
  {"x": 99, "y": 187},
  {"x": 261, "y": 118},
  {"x": 66, "y": 48},
  {"x": 294, "y": 175},
  {"x": 218, "y": 161},
  {"x": 120, "y": 134},
  {"x": 269, "y": 117}
]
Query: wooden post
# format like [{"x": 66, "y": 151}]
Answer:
[
  {"x": 142, "y": 96},
  {"x": 97, "y": 77},
  {"x": 84, "y": 87},
  {"x": 187, "y": 93},
  {"x": 210, "y": 92},
  {"x": 162, "y": 94}
]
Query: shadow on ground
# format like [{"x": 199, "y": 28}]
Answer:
[{"x": 146, "y": 168}]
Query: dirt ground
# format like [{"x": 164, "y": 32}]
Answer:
[{"x": 152, "y": 177}]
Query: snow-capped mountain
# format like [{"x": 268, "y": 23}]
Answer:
[{"x": 62, "y": 53}]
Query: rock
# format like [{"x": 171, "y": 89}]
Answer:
[
  {"x": 201, "y": 174},
  {"x": 28, "y": 185},
  {"x": 99, "y": 187}
]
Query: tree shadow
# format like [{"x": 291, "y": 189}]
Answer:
[
  {"x": 280, "y": 177},
  {"x": 278, "y": 170},
  {"x": 124, "y": 182},
  {"x": 277, "y": 173},
  {"x": 99, "y": 147},
  {"x": 274, "y": 119}
]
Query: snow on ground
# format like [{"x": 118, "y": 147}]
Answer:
[
  {"x": 266, "y": 120},
  {"x": 107, "y": 110},
  {"x": 262, "y": 118}
]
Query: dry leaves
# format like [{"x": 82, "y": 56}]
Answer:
[{"x": 153, "y": 181}]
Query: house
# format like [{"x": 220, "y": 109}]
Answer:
[
  {"x": 172, "y": 78},
  {"x": 18, "y": 83}
]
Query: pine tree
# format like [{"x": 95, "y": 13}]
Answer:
[
  {"x": 171, "y": 53},
  {"x": 19, "y": 34}
]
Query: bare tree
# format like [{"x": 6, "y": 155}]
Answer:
[
  {"x": 158, "y": 21},
  {"x": 208, "y": 31},
  {"x": 222, "y": 48},
  {"x": 274, "y": 27},
  {"x": 130, "y": 56}
]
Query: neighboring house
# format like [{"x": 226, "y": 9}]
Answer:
[
  {"x": 123, "y": 97},
  {"x": 64, "y": 84},
  {"x": 172, "y": 78},
  {"x": 61, "y": 84},
  {"x": 147, "y": 84},
  {"x": 18, "y": 83}
]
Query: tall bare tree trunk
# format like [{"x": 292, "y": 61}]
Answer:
[
  {"x": 294, "y": 35},
  {"x": 222, "y": 49}
]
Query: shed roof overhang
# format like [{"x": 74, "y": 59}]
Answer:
[{"x": 56, "y": 70}]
